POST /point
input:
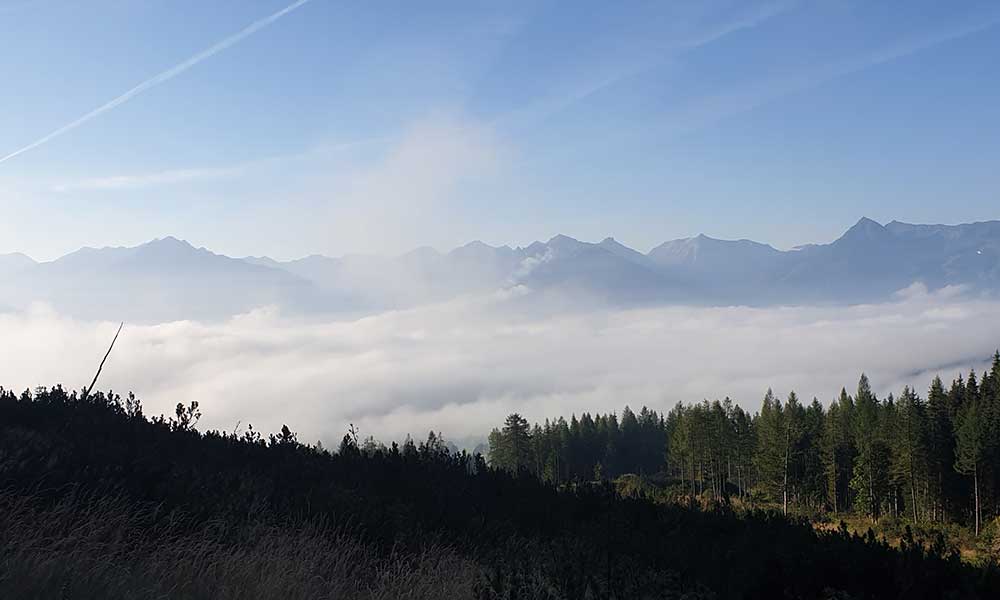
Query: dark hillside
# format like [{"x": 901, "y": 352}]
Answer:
[{"x": 167, "y": 511}]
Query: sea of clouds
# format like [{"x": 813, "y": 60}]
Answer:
[{"x": 461, "y": 366}]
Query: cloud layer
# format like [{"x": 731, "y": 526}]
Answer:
[{"x": 461, "y": 366}]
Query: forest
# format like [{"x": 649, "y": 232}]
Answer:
[
  {"x": 933, "y": 460},
  {"x": 100, "y": 500}
]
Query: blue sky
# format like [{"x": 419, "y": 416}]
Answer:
[{"x": 378, "y": 127}]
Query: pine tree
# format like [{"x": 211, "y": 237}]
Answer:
[
  {"x": 910, "y": 447},
  {"x": 840, "y": 451},
  {"x": 810, "y": 451},
  {"x": 629, "y": 449},
  {"x": 871, "y": 466},
  {"x": 744, "y": 449},
  {"x": 679, "y": 446},
  {"x": 970, "y": 449},
  {"x": 887, "y": 429},
  {"x": 794, "y": 423},
  {"x": 989, "y": 412},
  {"x": 941, "y": 448},
  {"x": 496, "y": 452},
  {"x": 652, "y": 441},
  {"x": 771, "y": 459},
  {"x": 510, "y": 447}
]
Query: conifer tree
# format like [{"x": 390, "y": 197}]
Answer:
[
  {"x": 989, "y": 412},
  {"x": 771, "y": 458},
  {"x": 743, "y": 448},
  {"x": 941, "y": 448},
  {"x": 839, "y": 451},
  {"x": 810, "y": 452},
  {"x": 794, "y": 419},
  {"x": 871, "y": 466},
  {"x": 510, "y": 447},
  {"x": 910, "y": 447},
  {"x": 970, "y": 449}
]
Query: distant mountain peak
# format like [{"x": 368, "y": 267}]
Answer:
[
  {"x": 866, "y": 224},
  {"x": 864, "y": 229},
  {"x": 610, "y": 242},
  {"x": 478, "y": 250},
  {"x": 17, "y": 256},
  {"x": 168, "y": 242},
  {"x": 15, "y": 261},
  {"x": 562, "y": 239},
  {"x": 564, "y": 244},
  {"x": 423, "y": 253}
]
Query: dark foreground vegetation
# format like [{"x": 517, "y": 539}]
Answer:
[{"x": 99, "y": 501}]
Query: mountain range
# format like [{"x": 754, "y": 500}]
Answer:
[{"x": 168, "y": 279}]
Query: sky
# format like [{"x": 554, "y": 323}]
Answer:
[{"x": 271, "y": 128}]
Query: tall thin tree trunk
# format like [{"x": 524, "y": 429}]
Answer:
[
  {"x": 836, "y": 491},
  {"x": 784, "y": 484},
  {"x": 940, "y": 506},
  {"x": 739, "y": 479},
  {"x": 871, "y": 494},
  {"x": 913, "y": 483},
  {"x": 975, "y": 484}
]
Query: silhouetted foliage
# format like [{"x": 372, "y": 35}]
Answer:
[{"x": 505, "y": 532}]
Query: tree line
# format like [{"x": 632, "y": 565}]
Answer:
[
  {"x": 98, "y": 500},
  {"x": 929, "y": 459}
]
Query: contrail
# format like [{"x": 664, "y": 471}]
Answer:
[{"x": 161, "y": 78}]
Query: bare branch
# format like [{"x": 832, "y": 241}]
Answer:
[{"x": 90, "y": 388}]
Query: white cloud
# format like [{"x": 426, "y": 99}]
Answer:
[
  {"x": 461, "y": 366},
  {"x": 143, "y": 180},
  {"x": 409, "y": 193},
  {"x": 320, "y": 154}
]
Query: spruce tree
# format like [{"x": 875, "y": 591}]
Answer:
[
  {"x": 794, "y": 423},
  {"x": 970, "y": 450},
  {"x": 910, "y": 447},
  {"x": 771, "y": 459},
  {"x": 941, "y": 448},
  {"x": 810, "y": 452},
  {"x": 872, "y": 464}
]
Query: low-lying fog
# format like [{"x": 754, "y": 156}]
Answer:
[{"x": 459, "y": 367}]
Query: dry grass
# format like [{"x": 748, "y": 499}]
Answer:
[{"x": 87, "y": 546}]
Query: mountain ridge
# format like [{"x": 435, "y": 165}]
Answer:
[{"x": 170, "y": 278}]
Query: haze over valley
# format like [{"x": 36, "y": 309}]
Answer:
[{"x": 454, "y": 341}]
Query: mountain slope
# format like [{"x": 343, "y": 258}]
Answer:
[
  {"x": 871, "y": 261},
  {"x": 169, "y": 279},
  {"x": 606, "y": 272},
  {"x": 726, "y": 271},
  {"x": 11, "y": 264},
  {"x": 163, "y": 280}
]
